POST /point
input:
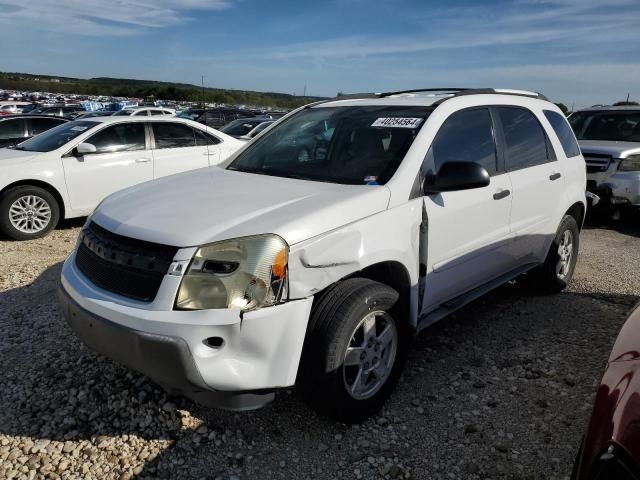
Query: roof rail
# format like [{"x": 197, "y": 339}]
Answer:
[
  {"x": 450, "y": 92},
  {"x": 495, "y": 91},
  {"x": 418, "y": 90}
]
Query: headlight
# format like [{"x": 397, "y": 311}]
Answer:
[
  {"x": 245, "y": 273},
  {"x": 630, "y": 164}
]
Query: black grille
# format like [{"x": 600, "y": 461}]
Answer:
[
  {"x": 126, "y": 266},
  {"x": 597, "y": 162}
]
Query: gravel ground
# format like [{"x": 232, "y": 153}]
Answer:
[{"x": 502, "y": 389}]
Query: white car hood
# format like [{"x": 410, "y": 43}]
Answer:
[{"x": 211, "y": 204}]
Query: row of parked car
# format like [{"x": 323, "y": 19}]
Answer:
[
  {"x": 316, "y": 249},
  {"x": 243, "y": 124}
]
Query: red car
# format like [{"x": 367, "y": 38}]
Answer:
[{"x": 611, "y": 446}]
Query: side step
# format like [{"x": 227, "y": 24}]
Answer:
[{"x": 456, "y": 303}]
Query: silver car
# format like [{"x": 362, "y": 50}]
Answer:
[{"x": 609, "y": 138}]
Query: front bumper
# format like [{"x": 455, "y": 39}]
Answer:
[
  {"x": 619, "y": 189},
  {"x": 256, "y": 352}
]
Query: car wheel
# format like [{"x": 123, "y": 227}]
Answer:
[
  {"x": 354, "y": 351},
  {"x": 28, "y": 212},
  {"x": 556, "y": 272}
]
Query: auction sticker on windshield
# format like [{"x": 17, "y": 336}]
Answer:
[{"x": 397, "y": 122}]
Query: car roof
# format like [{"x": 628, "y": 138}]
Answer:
[
  {"x": 33, "y": 115},
  {"x": 604, "y": 108},
  {"x": 433, "y": 97},
  {"x": 141, "y": 118}
]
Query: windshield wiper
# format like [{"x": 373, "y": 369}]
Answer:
[{"x": 271, "y": 173}]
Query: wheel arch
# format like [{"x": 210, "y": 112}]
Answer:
[
  {"x": 41, "y": 184},
  {"x": 395, "y": 275},
  {"x": 577, "y": 211}
]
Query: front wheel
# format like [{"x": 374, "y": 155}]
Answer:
[
  {"x": 354, "y": 351},
  {"x": 557, "y": 271},
  {"x": 28, "y": 212}
]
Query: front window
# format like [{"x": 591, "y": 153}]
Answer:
[
  {"x": 614, "y": 125},
  {"x": 350, "y": 145},
  {"x": 56, "y": 137}
]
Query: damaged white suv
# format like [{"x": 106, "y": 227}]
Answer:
[{"x": 318, "y": 250}]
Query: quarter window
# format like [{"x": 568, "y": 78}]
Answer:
[
  {"x": 123, "y": 137},
  {"x": 466, "y": 136},
  {"x": 203, "y": 138},
  {"x": 173, "y": 135},
  {"x": 564, "y": 132},
  {"x": 526, "y": 142}
]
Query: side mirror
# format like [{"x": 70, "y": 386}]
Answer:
[
  {"x": 457, "y": 176},
  {"x": 85, "y": 148}
]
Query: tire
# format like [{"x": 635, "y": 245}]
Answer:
[
  {"x": 555, "y": 274},
  {"x": 340, "y": 319},
  {"x": 40, "y": 207}
]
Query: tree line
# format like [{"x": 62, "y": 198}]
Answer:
[{"x": 115, "y": 87}]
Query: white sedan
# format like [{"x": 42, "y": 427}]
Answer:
[{"x": 66, "y": 171}]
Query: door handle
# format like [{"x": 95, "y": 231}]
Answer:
[
  {"x": 143, "y": 160},
  {"x": 555, "y": 176},
  {"x": 501, "y": 194}
]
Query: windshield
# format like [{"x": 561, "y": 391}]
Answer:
[
  {"x": 56, "y": 137},
  {"x": 350, "y": 145},
  {"x": 122, "y": 113},
  {"x": 618, "y": 125}
]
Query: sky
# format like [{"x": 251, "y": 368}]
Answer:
[{"x": 579, "y": 52}]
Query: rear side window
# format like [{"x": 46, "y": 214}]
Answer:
[
  {"x": 11, "y": 129},
  {"x": 466, "y": 136},
  {"x": 39, "y": 125},
  {"x": 123, "y": 137},
  {"x": 564, "y": 132},
  {"x": 173, "y": 135},
  {"x": 526, "y": 143}
]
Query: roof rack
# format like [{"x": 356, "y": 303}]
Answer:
[
  {"x": 450, "y": 92},
  {"x": 457, "y": 90}
]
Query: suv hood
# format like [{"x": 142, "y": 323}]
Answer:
[
  {"x": 615, "y": 149},
  {"x": 211, "y": 204}
]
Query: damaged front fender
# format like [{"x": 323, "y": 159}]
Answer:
[{"x": 389, "y": 236}]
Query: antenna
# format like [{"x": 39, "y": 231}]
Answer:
[{"x": 202, "y": 79}]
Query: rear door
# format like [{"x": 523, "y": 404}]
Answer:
[
  {"x": 175, "y": 148},
  {"x": 122, "y": 159},
  {"x": 467, "y": 236},
  {"x": 536, "y": 176}
]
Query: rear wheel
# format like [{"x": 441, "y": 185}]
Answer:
[
  {"x": 557, "y": 271},
  {"x": 28, "y": 212},
  {"x": 354, "y": 351}
]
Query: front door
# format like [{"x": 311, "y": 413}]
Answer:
[
  {"x": 121, "y": 160},
  {"x": 467, "y": 234}
]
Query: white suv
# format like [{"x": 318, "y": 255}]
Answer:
[{"x": 327, "y": 241}]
